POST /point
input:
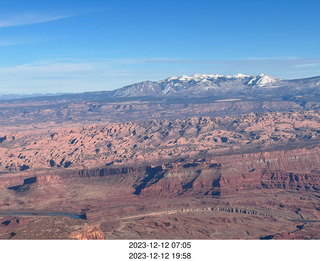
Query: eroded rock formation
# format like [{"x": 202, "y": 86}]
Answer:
[{"x": 254, "y": 176}]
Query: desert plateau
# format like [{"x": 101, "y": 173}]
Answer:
[{"x": 197, "y": 161}]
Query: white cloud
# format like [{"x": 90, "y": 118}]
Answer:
[
  {"x": 10, "y": 43},
  {"x": 27, "y": 19},
  {"x": 304, "y": 65}
]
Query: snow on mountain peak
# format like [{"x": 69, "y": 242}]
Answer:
[
  {"x": 172, "y": 78},
  {"x": 195, "y": 77},
  {"x": 260, "y": 80},
  {"x": 240, "y": 76},
  {"x": 206, "y": 76},
  {"x": 266, "y": 80},
  {"x": 185, "y": 78}
]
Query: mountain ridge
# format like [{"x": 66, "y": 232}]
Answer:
[
  {"x": 220, "y": 86},
  {"x": 197, "y": 86}
]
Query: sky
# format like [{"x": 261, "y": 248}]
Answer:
[{"x": 77, "y": 46}]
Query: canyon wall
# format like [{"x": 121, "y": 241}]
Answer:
[{"x": 297, "y": 169}]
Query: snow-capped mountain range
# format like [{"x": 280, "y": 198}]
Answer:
[
  {"x": 261, "y": 80},
  {"x": 220, "y": 86},
  {"x": 213, "y": 86}
]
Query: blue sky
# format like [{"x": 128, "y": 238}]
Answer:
[{"x": 76, "y": 46}]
